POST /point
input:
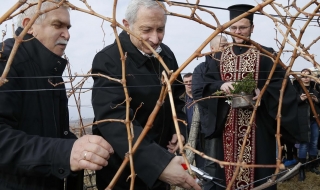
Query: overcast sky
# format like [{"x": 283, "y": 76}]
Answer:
[{"x": 182, "y": 36}]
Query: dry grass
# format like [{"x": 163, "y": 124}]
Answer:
[{"x": 312, "y": 182}]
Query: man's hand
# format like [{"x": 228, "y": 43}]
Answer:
[
  {"x": 90, "y": 152},
  {"x": 173, "y": 145},
  {"x": 174, "y": 174},
  {"x": 257, "y": 91},
  {"x": 227, "y": 87}
]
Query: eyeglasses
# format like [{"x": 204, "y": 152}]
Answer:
[
  {"x": 304, "y": 77},
  {"x": 241, "y": 28}
]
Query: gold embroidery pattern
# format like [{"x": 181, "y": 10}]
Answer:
[
  {"x": 243, "y": 119},
  {"x": 229, "y": 65},
  {"x": 232, "y": 68}
]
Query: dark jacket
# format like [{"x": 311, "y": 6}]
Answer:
[
  {"x": 183, "y": 97},
  {"x": 198, "y": 82},
  {"x": 144, "y": 84},
  {"x": 304, "y": 111},
  {"x": 33, "y": 119}
]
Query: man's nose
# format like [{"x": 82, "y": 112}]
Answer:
[
  {"x": 65, "y": 34},
  {"x": 154, "y": 38}
]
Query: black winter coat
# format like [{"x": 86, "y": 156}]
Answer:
[
  {"x": 33, "y": 120},
  {"x": 265, "y": 116},
  {"x": 198, "y": 82},
  {"x": 143, "y": 81},
  {"x": 304, "y": 111}
]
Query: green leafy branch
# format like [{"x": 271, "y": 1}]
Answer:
[{"x": 246, "y": 85}]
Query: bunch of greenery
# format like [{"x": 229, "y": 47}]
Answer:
[{"x": 246, "y": 85}]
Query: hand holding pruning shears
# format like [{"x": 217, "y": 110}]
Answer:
[
  {"x": 174, "y": 174},
  {"x": 202, "y": 176}
]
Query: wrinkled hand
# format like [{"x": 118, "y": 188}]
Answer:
[
  {"x": 90, "y": 152},
  {"x": 174, "y": 174},
  {"x": 227, "y": 87},
  {"x": 173, "y": 145},
  {"x": 257, "y": 91}
]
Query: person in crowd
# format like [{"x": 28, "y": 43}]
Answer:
[
  {"x": 216, "y": 44},
  {"x": 307, "y": 123},
  {"x": 37, "y": 149},
  {"x": 188, "y": 99},
  {"x": 189, "y": 111},
  {"x": 155, "y": 164},
  {"x": 229, "y": 125}
]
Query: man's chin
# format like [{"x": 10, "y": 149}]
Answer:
[
  {"x": 239, "y": 41},
  {"x": 59, "y": 53}
]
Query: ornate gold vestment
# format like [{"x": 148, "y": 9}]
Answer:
[{"x": 234, "y": 68}]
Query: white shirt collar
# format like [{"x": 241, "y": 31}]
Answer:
[{"x": 158, "y": 50}]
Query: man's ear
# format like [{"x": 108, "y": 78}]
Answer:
[
  {"x": 25, "y": 22},
  {"x": 252, "y": 28},
  {"x": 126, "y": 23}
]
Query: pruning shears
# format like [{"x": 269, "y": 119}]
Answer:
[{"x": 203, "y": 176}]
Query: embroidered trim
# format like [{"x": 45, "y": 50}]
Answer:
[{"x": 234, "y": 68}]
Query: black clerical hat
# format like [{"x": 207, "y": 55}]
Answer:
[{"x": 236, "y": 10}]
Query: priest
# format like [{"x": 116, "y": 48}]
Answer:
[{"x": 229, "y": 125}]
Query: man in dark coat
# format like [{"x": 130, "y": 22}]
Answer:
[
  {"x": 153, "y": 163},
  {"x": 37, "y": 149},
  {"x": 198, "y": 83},
  {"x": 230, "y": 125},
  {"x": 189, "y": 111}
]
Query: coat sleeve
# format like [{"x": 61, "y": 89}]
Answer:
[
  {"x": 297, "y": 88},
  {"x": 270, "y": 99},
  {"x": 107, "y": 98},
  {"x": 213, "y": 81},
  {"x": 198, "y": 83},
  {"x": 217, "y": 107},
  {"x": 23, "y": 154}
]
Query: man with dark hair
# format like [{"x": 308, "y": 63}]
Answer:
[
  {"x": 188, "y": 109},
  {"x": 229, "y": 125},
  {"x": 37, "y": 149},
  {"x": 188, "y": 99},
  {"x": 153, "y": 163}
]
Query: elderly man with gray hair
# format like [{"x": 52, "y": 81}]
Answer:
[
  {"x": 155, "y": 163},
  {"x": 37, "y": 149}
]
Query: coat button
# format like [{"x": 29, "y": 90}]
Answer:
[
  {"x": 65, "y": 133},
  {"x": 61, "y": 171}
]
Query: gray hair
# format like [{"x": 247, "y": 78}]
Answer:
[
  {"x": 134, "y": 6},
  {"x": 215, "y": 42},
  {"x": 30, "y": 12}
]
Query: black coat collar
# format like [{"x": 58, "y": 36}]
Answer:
[
  {"x": 134, "y": 53},
  {"x": 50, "y": 63}
]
